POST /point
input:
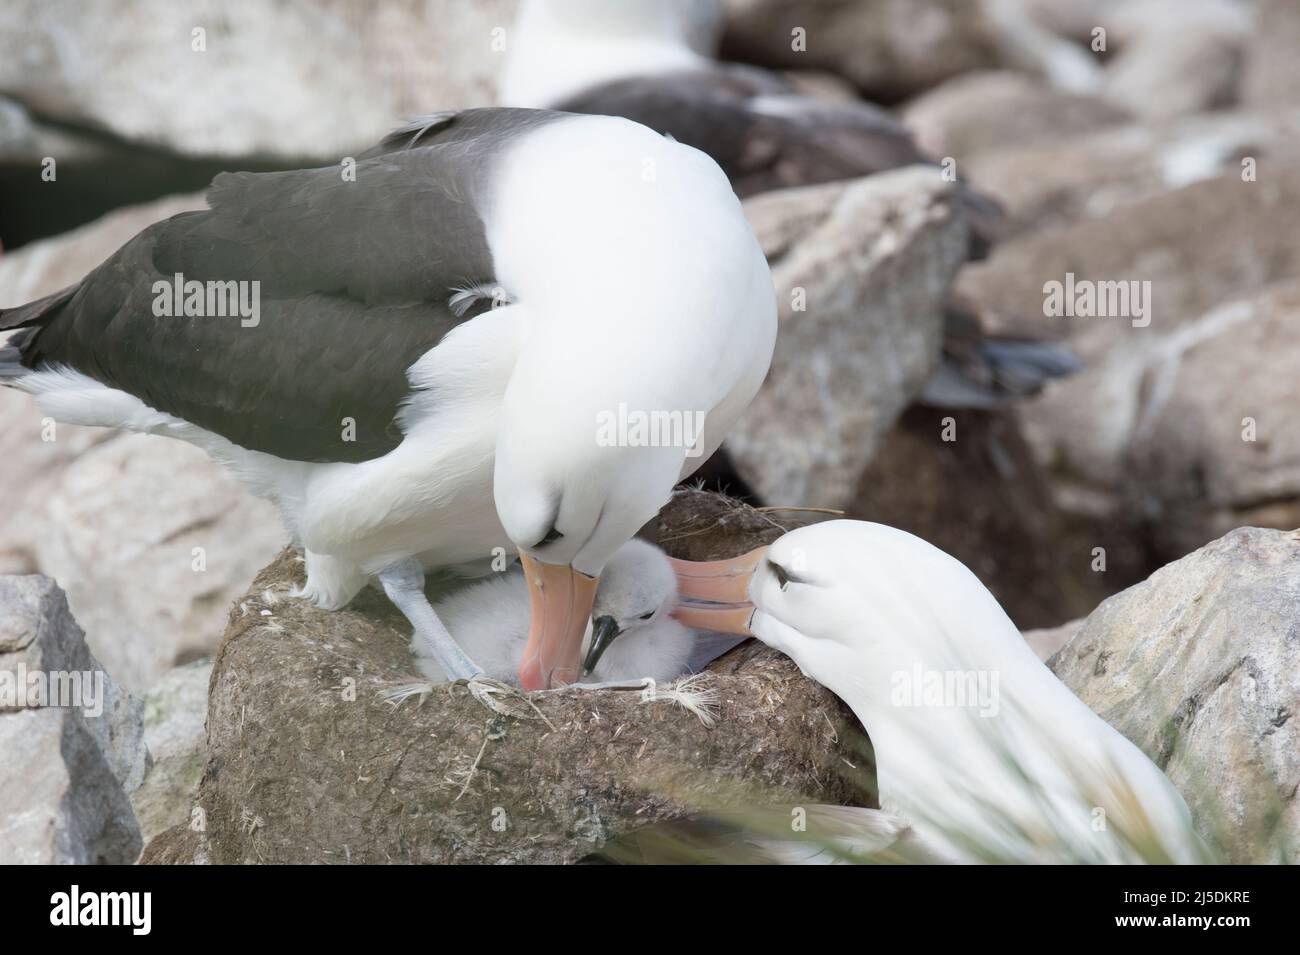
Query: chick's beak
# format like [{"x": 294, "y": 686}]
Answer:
[
  {"x": 561, "y": 600},
  {"x": 603, "y": 632}
]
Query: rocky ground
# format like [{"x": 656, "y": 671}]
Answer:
[{"x": 1137, "y": 516}]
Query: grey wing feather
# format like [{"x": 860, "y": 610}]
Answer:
[
  {"x": 978, "y": 370},
  {"x": 763, "y": 133},
  {"x": 353, "y": 277}
]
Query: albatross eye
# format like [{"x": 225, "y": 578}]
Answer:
[
  {"x": 551, "y": 537},
  {"x": 785, "y": 577},
  {"x": 646, "y": 616}
]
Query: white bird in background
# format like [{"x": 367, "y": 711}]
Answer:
[
  {"x": 634, "y": 603},
  {"x": 981, "y": 753}
]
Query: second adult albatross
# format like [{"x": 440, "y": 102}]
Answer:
[
  {"x": 399, "y": 419},
  {"x": 982, "y": 754}
]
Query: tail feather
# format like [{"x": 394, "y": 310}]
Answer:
[
  {"x": 986, "y": 371},
  {"x": 25, "y": 322},
  {"x": 987, "y": 220},
  {"x": 35, "y": 312}
]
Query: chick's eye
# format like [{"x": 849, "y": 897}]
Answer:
[
  {"x": 646, "y": 616},
  {"x": 782, "y": 577}
]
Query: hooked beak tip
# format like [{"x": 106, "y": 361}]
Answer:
[{"x": 604, "y": 630}]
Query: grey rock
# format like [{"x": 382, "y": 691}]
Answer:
[
  {"x": 69, "y": 768},
  {"x": 873, "y": 260},
  {"x": 1047, "y": 641},
  {"x": 1215, "y": 445},
  {"x": 1201, "y": 247},
  {"x": 889, "y": 49},
  {"x": 1090, "y": 173},
  {"x": 1196, "y": 65},
  {"x": 1272, "y": 71},
  {"x": 1197, "y": 666},
  {"x": 1041, "y": 38},
  {"x": 290, "y": 80},
  {"x": 175, "y": 709},
  {"x": 1072, "y": 19},
  {"x": 979, "y": 112}
]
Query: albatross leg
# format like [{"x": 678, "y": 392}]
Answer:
[{"x": 404, "y": 583}]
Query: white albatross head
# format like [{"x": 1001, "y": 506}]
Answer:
[
  {"x": 570, "y": 504},
  {"x": 839, "y": 596},
  {"x": 557, "y": 48},
  {"x": 854, "y": 592}
]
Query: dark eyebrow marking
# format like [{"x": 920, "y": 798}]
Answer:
[{"x": 551, "y": 537}]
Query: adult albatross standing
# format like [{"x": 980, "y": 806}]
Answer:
[{"x": 400, "y": 420}]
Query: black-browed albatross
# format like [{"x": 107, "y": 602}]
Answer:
[
  {"x": 981, "y": 753},
  {"x": 398, "y": 431}
]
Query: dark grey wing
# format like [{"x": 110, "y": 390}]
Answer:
[
  {"x": 979, "y": 370},
  {"x": 320, "y": 377},
  {"x": 352, "y": 280},
  {"x": 763, "y": 133}
]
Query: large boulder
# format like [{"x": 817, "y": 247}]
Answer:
[
  {"x": 307, "y": 763},
  {"x": 861, "y": 271},
  {"x": 1200, "y": 667},
  {"x": 1089, "y": 173},
  {"x": 1272, "y": 70},
  {"x": 71, "y": 739},
  {"x": 316, "y": 79},
  {"x": 1159, "y": 70},
  {"x": 1218, "y": 446},
  {"x": 102, "y": 511},
  {"x": 1201, "y": 247},
  {"x": 175, "y": 710},
  {"x": 979, "y": 112},
  {"x": 889, "y": 49}
]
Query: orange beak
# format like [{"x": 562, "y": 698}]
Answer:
[
  {"x": 561, "y": 600},
  {"x": 725, "y": 585}
]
